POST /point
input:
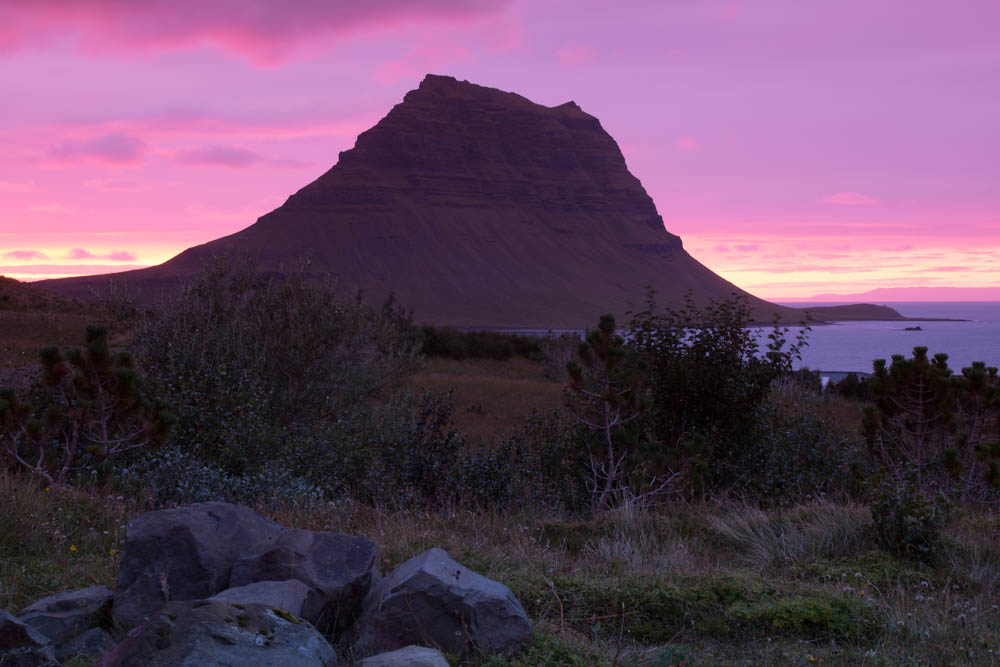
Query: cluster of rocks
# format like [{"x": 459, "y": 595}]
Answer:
[{"x": 218, "y": 584}]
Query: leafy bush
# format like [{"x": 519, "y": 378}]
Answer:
[
  {"x": 786, "y": 459},
  {"x": 173, "y": 476},
  {"x": 906, "y": 519},
  {"x": 252, "y": 360},
  {"x": 708, "y": 380}
]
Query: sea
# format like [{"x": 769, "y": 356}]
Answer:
[{"x": 852, "y": 346}]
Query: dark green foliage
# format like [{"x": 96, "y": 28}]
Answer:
[
  {"x": 709, "y": 375},
  {"x": 454, "y": 344},
  {"x": 251, "y": 358},
  {"x": 606, "y": 395},
  {"x": 906, "y": 519},
  {"x": 787, "y": 459},
  {"x": 852, "y": 387},
  {"x": 944, "y": 430},
  {"x": 89, "y": 407}
]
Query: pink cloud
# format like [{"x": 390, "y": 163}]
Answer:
[
  {"x": 17, "y": 186},
  {"x": 115, "y": 148},
  {"x": 750, "y": 247},
  {"x": 392, "y": 72},
  {"x": 25, "y": 254},
  {"x": 427, "y": 55},
  {"x": 576, "y": 54},
  {"x": 114, "y": 255},
  {"x": 849, "y": 199},
  {"x": 262, "y": 31},
  {"x": 688, "y": 145},
  {"x": 49, "y": 208},
  {"x": 216, "y": 156}
]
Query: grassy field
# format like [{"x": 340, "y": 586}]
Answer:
[
  {"x": 719, "y": 583},
  {"x": 688, "y": 584},
  {"x": 492, "y": 398}
]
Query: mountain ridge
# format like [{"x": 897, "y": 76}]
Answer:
[{"x": 475, "y": 207}]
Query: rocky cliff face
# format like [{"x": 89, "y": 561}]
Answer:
[{"x": 478, "y": 208}]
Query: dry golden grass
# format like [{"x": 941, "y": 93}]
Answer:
[{"x": 492, "y": 398}]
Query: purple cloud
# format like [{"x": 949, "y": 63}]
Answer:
[
  {"x": 216, "y": 156},
  {"x": 262, "y": 31},
  {"x": 115, "y": 148},
  {"x": 849, "y": 199}
]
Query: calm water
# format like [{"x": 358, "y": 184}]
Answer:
[{"x": 851, "y": 346}]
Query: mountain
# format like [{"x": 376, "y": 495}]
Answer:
[
  {"x": 17, "y": 296},
  {"x": 884, "y": 294},
  {"x": 476, "y": 208}
]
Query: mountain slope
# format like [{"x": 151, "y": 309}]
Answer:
[{"x": 477, "y": 208}]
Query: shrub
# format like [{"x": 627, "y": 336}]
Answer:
[
  {"x": 906, "y": 519},
  {"x": 940, "y": 429},
  {"x": 605, "y": 395},
  {"x": 89, "y": 407},
  {"x": 708, "y": 380},
  {"x": 254, "y": 360}
]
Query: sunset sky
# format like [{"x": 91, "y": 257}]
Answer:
[{"x": 796, "y": 147}]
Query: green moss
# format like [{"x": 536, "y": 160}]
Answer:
[
  {"x": 243, "y": 620},
  {"x": 874, "y": 567},
  {"x": 281, "y": 613},
  {"x": 545, "y": 649},
  {"x": 806, "y": 617},
  {"x": 730, "y": 606}
]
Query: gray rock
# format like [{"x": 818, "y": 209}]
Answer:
[
  {"x": 21, "y": 645},
  {"x": 433, "y": 600},
  {"x": 409, "y": 656},
  {"x": 183, "y": 554},
  {"x": 15, "y": 633},
  {"x": 210, "y": 633},
  {"x": 65, "y": 615},
  {"x": 292, "y": 596},
  {"x": 340, "y": 567},
  {"x": 28, "y": 657},
  {"x": 91, "y": 644}
]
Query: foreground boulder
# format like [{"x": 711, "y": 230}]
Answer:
[
  {"x": 90, "y": 645},
  {"x": 69, "y": 614},
  {"x": 433, "y": 600},
  {"x": 291, "y": 596},
  {"x": 409, "y": 656},
  {"x": 21, "y": 645},
  {"x": 211, "y": 633},
  {"x": 340, "y": 567},
  {"x": 183, "y": 554}
]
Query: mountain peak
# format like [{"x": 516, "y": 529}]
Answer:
[{"x": 476, "y": 207}]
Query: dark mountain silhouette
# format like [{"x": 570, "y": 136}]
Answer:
[{"x": 477, "y": 208}]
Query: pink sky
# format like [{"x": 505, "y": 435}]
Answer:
[{"x": 796, "y": 147}]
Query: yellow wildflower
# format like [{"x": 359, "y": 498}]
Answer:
[{"x": 72, "y": 547}]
